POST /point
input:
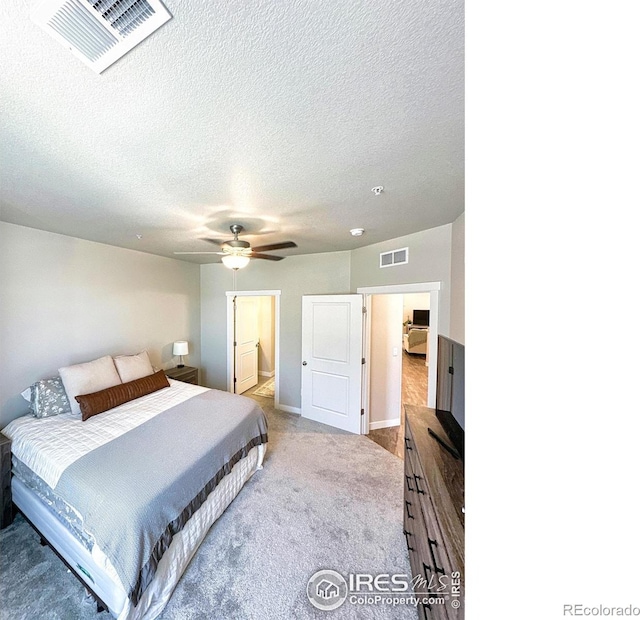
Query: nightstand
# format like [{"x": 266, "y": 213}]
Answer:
[
  {"x": 188, "y": 374},
  {"x": 6, "y": 506}
]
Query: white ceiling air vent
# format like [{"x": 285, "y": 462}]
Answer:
[
  {"x": 395, "y": 257},
  {"x": 99, "y": 32}
]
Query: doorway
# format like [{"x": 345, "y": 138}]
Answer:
[
  {"x": 399, "y": 358},
  {"x": 399, "y": 364},
  {"x": 335, "y": 376},
  {"x": 253, "y": 335},
  {"x": 394, "y": 310}
]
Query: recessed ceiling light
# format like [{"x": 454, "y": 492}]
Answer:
[{"x": 357, "y": 232}]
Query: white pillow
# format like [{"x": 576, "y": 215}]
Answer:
[
  {"x": 132, "y": 367},
  {"x": 88, "y": 378}
]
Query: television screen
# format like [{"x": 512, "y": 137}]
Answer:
[{"x": 421, "y": 317}]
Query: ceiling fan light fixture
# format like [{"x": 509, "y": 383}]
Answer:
[{"x": 235, "y": 261}]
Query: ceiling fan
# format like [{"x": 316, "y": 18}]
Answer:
[{"x": 236, "y": 253}]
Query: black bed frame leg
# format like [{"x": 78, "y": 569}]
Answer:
[{"x": 100, "y": 606}]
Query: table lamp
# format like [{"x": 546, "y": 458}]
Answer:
[{"x": 181, "y": 348}]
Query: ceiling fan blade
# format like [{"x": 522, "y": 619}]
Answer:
[
  {"x": 214, "y": 241},
  {"x": 199, "y": 252},
  {"x": 265, "y": 256},
  {"x": 275, "y": 246}
]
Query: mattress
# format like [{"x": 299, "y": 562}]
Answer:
[
  {"x": 44, "y": 448},
  {"x": 66, "y": 514}
]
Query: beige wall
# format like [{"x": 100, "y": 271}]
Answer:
[
  {"x": 429, "y": 261},
  {"x": 310, "y": 274},
  {"x": 66, "y": 300},
  {"x": 456, "y": 330},
  {"x": 317, "y": 274}
]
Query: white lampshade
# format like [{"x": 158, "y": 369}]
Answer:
[
  {"x": 235, "y": 261},
  {"x": 181, "y": 347}
]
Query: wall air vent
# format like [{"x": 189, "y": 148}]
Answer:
[
  {"x": 395, "y": 257},
  {"x": 99, "y": 32}
]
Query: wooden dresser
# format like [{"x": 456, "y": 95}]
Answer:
[{"x": 433, "y": 515}]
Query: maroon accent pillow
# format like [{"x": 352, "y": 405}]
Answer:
[{"x": 98, "y": 402}]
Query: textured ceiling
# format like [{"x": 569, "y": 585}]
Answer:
[{"x": 280, "y": 115}]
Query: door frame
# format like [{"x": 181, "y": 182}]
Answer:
[
  {"x": 230, "y": 359},
  {"x": 433, "y": 288}
]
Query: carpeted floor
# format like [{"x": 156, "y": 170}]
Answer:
[{"x": 324, "y": 500}]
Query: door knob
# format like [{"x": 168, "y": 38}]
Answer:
[{"x": 304, "y": 363}]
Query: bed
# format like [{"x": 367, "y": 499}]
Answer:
[{"x": 126, "y": 497}]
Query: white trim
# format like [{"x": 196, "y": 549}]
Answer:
[
  {"x": 434, "y": 319},
  {"x": 384, "y": 424},
  {"x": 269, "y": 293},
  {"x": 289, "y": 409},
  {"x": 434, "y": 306},
  {"x": 273, "y": 293},
  {"x": 230, "y": 361},
  {"x": 366, "y": 367},
  {"x": 264, "y": 373},
  {"x": 419, "y": 287}
]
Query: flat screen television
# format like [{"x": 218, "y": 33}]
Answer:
[
  {"x": 450, "y": 390},
  {"x": 421, "y": 317}
]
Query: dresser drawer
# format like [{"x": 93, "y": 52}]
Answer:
[
  {"x": 424, "y": 549},
  {"x": 433, "y": 528}
]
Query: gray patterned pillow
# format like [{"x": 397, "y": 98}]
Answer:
[{"x": 48, "y": 398}]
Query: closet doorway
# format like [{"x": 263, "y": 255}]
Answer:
[{"x": 253, "y": 319}]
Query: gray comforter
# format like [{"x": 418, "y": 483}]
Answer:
[{"x": 137, "y": 491}]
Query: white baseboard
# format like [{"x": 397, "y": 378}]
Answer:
[
  {"x": 384, "y": 424},
  {"x": 288, "y": 409},
  {"x": 263, "y": 373}
]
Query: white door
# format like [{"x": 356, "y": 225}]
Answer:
[
  {"x": 246, "y": 343},
  {"x": 332, "y": 360}
]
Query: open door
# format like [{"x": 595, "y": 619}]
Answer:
[
  {"x": 332, "y": 360},
  {"x": 246, "y": 342}
]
